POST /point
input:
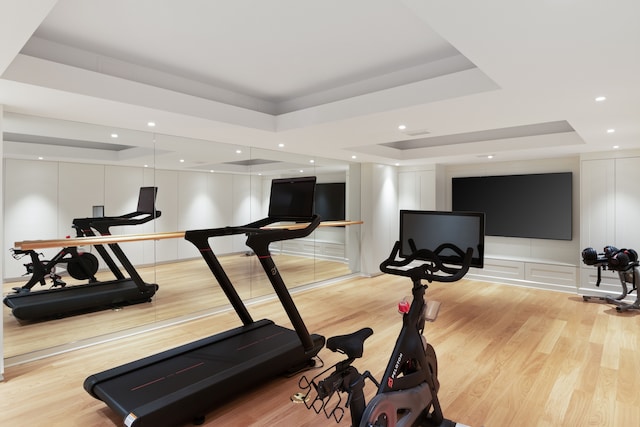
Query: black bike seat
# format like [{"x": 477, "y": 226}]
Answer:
[{"x": 351, "y": 344}]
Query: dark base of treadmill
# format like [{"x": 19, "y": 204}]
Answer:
[
  {"x": 72, "y": 300},
  {"x": 181, "y": 385}
]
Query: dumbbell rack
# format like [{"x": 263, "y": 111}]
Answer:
[{"x": 627, "y": 272}]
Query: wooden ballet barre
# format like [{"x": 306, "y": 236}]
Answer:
[
  {"x": 298, "y": 225},
  {"x": 123, "y": 238},
  {"x": 96, "y": 240}
]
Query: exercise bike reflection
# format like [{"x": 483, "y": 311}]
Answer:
[{"x": 408, "y": 393}]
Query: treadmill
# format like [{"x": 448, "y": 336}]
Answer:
[
  {"x": 182, "y": 384},
  {"x": 29, "y": 305}
]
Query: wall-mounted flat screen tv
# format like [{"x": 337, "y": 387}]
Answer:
[
  {"x": 535, "y": 206},
  {"x": 329, "y": 201},
  {"x": 291, "y": 199},
  {"x": 432, "y": 229}
]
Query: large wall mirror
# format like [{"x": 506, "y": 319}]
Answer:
[{"x": 56, "y": 171}]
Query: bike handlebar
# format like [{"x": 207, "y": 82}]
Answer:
[{"x": 432, "y": 264}]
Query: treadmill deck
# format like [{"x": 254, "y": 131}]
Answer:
[{"x": 184, "y": 383}]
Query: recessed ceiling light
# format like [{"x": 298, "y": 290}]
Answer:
[
  {"x": 114, "y": 135},
  {"x": 281, "y": 145},
  {"x": 601, "y": 98},
  {"x": 40, "y": 158},
  {"x": 151, "y": 124},
  {"x": 611, "y": 130},
  {"x": 397, "y": 164},
  {"x": 353, "y": 157},
  {"x": 238, "y": 151},
  {"x": 615, "y": 147},
  {"x": 402, "y": 127},
  {"x": 181, "y": 160},
  {"x": 211, "y": 170},
  {"x": 146, "y": 166},
  {"x": 490, "y": 156},
  {"x": 301, "y": 170},
  {"x": 312, "y": 161}
]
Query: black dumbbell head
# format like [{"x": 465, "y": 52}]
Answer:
[
  {"x": 610, "y": 251},
  {"x": 619, "y": 260},
  {"x": 589, "y": 256}
]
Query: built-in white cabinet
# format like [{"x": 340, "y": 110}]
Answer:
[
  {"x": 417, "y": 190},
  {"x": 529, "y": 273},
  {"x": 627, "y": 203},
  {"x": 597, "y": 203},
  {"x": 610, "y": 208}
]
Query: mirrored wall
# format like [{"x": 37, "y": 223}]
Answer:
[{"x": 57, "y": 171}]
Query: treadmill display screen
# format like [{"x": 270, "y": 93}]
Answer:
[
  {"x": 292, "y": 198},
  {"x": 147, "y": 199}
]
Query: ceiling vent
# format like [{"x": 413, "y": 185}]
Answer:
[
  {"x": 419, "y": 132},
  {"x": 251, "y": 162}
]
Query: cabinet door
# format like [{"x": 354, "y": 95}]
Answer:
[
  {"x": 417, "y": 190},
  {"x": 597, "y": 203},
  {"x": 627, "y": 203}
]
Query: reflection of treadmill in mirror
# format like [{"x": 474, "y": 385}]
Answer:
[
  {"x": 30, "y": 305},
  {"x": 183, "y": 384}
]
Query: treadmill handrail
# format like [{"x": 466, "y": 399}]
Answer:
[
  {"x": 258, "y": 239},
  {"x": 267, "y": 236},
  {"x": 85, "y": 228},
  {"x": 102, "y": 224},
  {"x": 257, "y": 228}
]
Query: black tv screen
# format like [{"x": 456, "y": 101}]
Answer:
[
  {"x": 431, "y": 229},
  {"x": 291, "y": 199},
  {"x": 329, "y": 201},
  {"x": 535, "y": 206}
]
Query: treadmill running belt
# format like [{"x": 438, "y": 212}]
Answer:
[{"x": 182, "y": 383}]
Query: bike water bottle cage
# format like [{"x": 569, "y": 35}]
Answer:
[{"x": 351, "y": 344}]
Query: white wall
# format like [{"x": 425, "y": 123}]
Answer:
[
  {"x": 166, "y": 203},
  {"x": 379, "y": 204},
  {"x": 30, "y": 208},
  {"x": 353, "y": 235}
]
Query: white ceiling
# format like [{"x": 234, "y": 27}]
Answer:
[{"x": 331, "y": 78}]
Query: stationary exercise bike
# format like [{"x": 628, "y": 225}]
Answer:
[
  {"x": 408, "y": 392},
  {"x": 625, "y": 262},
  {"x": 80, "y": 265}
]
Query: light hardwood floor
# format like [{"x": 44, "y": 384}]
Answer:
[{"x": 507, "y": 356}]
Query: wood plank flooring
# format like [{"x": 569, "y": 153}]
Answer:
[{"x": 507, "y": 356}]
